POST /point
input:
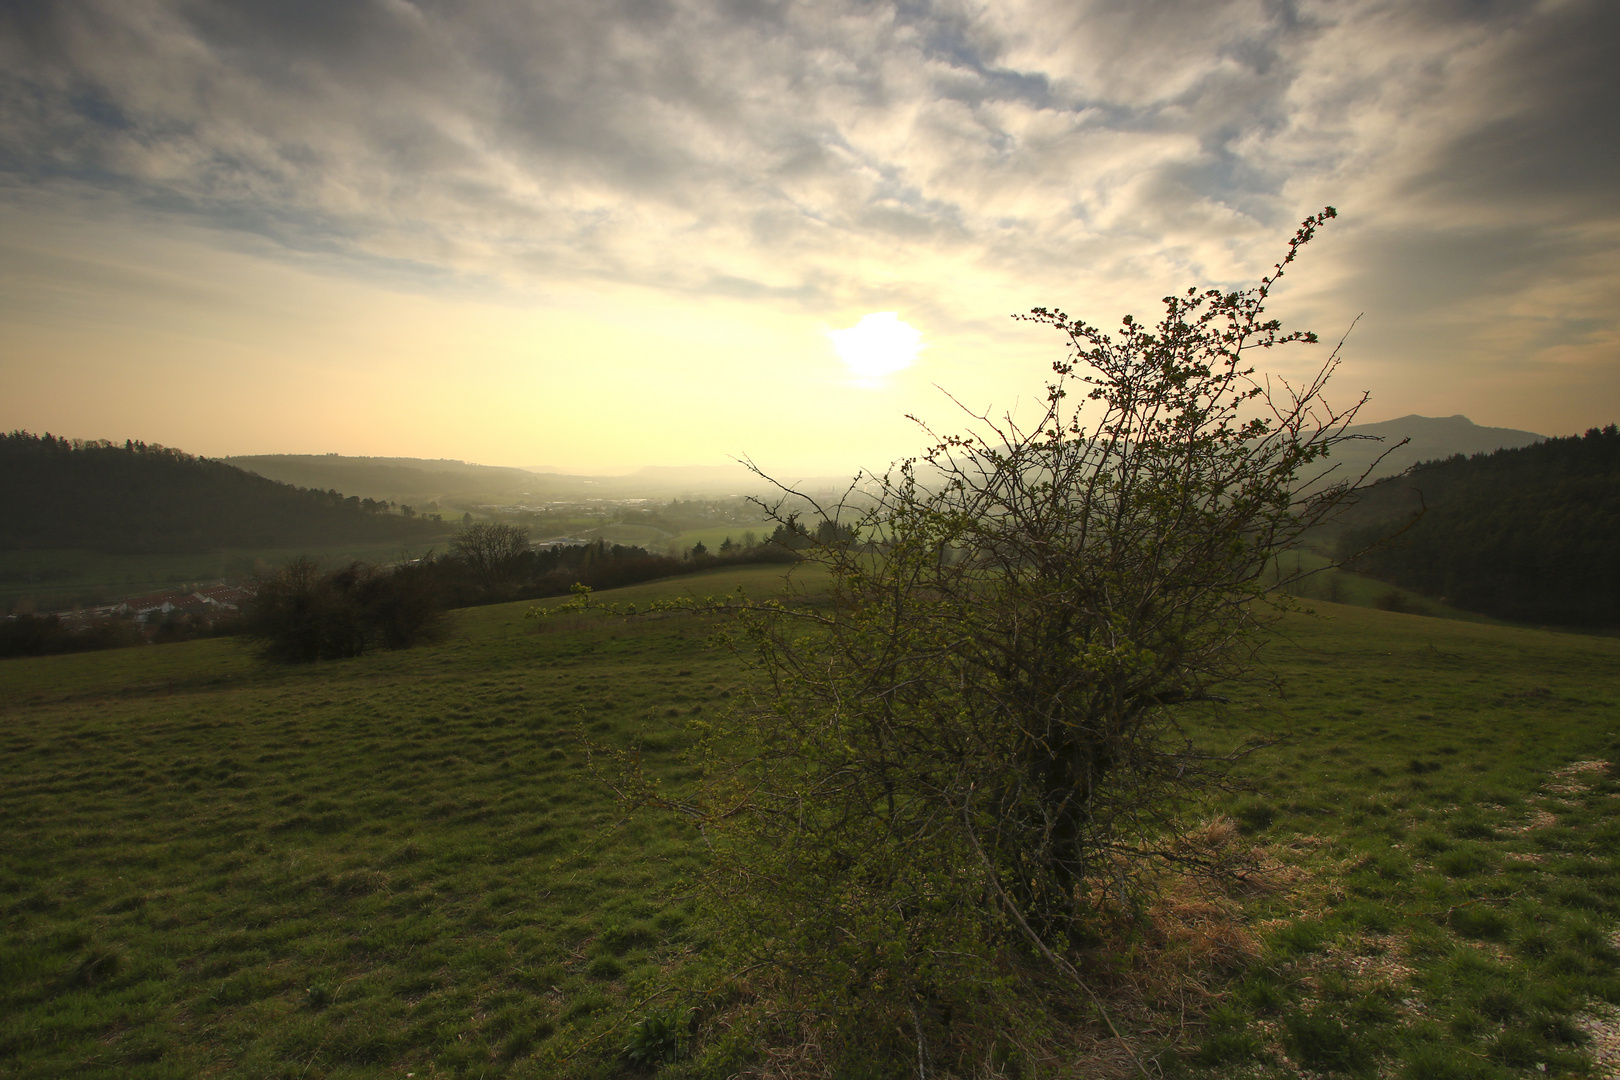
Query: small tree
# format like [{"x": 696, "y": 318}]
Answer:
[
  {"x": 491, "y": 550},
  {"x": 301, "y": 613},
  {"x": 405, "y": 606},
  {"x": 977, "y": 744}
]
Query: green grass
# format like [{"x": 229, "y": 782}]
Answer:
[
  {"x": 395, "y": 864},
  {"x": 1464, "y": 880},
  {"x": 1344, "y": 587},
  {"x": 345, "y": 869},
  {"x": 630, "y": 535},
  {"x": 758, "y": 581}
]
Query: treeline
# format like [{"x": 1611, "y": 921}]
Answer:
[
  {"x": 29, "y": 634},
  {"x": 303, "y": 613},
  {"x": 43, "y": 634},
  {"x": 1530, "y": 534},
  {"x": 139, "y": 498},
  {"x": 492, "y": 563}
]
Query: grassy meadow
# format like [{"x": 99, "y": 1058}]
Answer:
[
  {"x": 1445, "y": 816},
  {"x": 1322, "y": 580},
  {"x": 395, "y": 865}
]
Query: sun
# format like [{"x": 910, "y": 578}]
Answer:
[{"x": 877, "y": 347}]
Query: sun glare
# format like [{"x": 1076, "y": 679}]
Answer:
[{"x": 877, "y": 347}]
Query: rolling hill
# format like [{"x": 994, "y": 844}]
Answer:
[
  {"x": 139, "y": 498},
  {"x": 460, "y": 483},
  {"x": 415, "y": 480}
]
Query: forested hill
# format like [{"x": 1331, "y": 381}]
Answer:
[
  {"x": 1531, "y": 534},
  {"x": 136, "y": 498},
  {"x": 405, "y": 479}
]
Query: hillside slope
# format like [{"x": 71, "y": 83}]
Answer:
[
  {"x": 1531, "y": 534},
  {"x": 401, "y": 479},
  {"x": 136, "y": 498}
]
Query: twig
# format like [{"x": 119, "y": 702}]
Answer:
[
  {"x": 611, "y": 1028},
  {"x": 1477, "y": 900},
  {"x": 1057, "y": 961},
  {"x": 922, "y": 1048},
  {"x": 581, "y": 1048}
]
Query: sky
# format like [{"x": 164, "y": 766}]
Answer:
[{"x": 601, "y": 234}]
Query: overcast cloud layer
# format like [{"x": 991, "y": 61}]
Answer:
[{"x": 951, "y": 161}]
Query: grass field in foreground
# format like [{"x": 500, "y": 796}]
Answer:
[
  {"x": 1449, "y": 792},
  {"x": 382, "y": 866}
]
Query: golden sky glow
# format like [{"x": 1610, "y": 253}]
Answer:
[{"x": 599, "y": 235}]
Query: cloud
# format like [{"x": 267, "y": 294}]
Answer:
[
  {"x": 952, "y": 159},
  {"x": 1544, "y": 136},
  {"x": 620, "y": 139}
]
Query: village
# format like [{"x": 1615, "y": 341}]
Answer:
[{"x": 185, "y": 611}]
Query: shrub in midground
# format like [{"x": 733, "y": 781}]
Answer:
[{"x": 302, "y": 613}]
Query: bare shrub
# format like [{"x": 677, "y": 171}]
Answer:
[
  {"x": 301, "y": 613},
  {"x": 966, "y": 765}
]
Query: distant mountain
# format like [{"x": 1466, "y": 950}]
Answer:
[
  {"x": 1433, "y": 438},
  {"x": 1529, "y": 533},
  {"x": 136, "y": 498}
]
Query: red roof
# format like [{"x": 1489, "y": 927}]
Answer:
[{"x": 154, "y": 600}]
